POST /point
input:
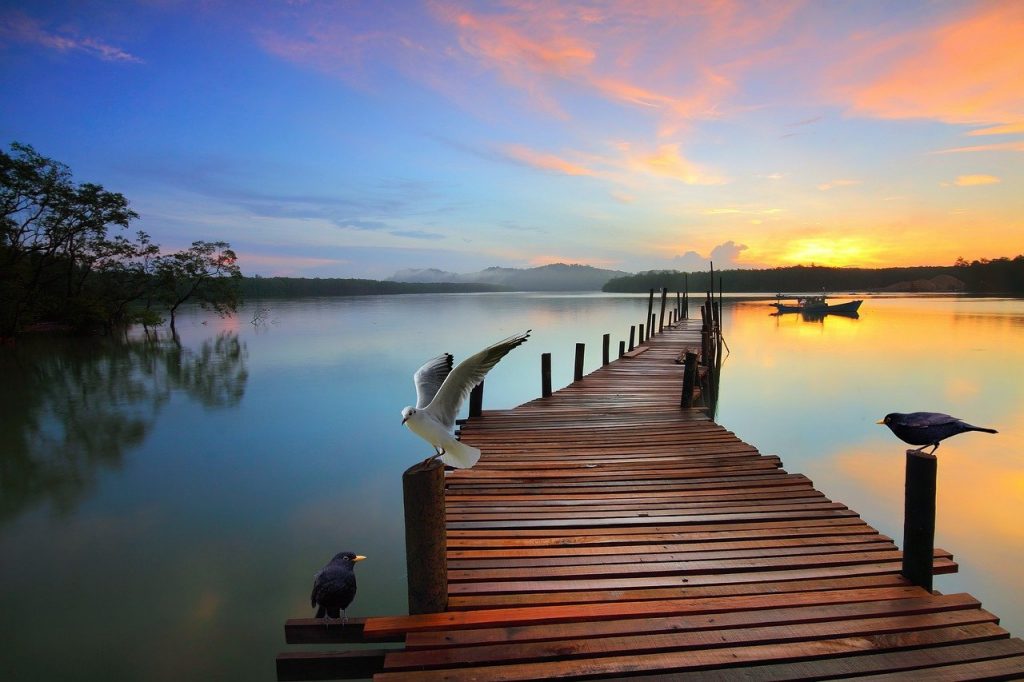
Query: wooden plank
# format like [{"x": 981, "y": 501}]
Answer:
[
  {"x": 705, "y": 639},
  {"x": 705, "y": 658},
  {"x": 330, "y": 665},
  {"x": 813, "y": 607},
  {"x": 845, "y": 582},
  {"x": 918, "y": 660},
  {"x": 388, "y": 626},
  {"x": 524, "y": 586}
]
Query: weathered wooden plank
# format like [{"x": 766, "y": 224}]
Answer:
[
  {"x": 524, "y": 586},
  {"x": 920, "y": 661},
  {"x": 451, "y": 620},
  {"x": 707, "y": 658},
  {"x": 844, "y": 582},
  {"x": 704, "y": 639},
  {"x": 806, "y": 608},
  {"x": 330, "y": 665}
]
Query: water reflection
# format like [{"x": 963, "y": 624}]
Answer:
[{"x": 74, "y": 407}]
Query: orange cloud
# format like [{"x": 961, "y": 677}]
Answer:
[
  {"x": 970, "y": 70},
  {"x": 667, "y": 162},
  {"x": 1000, "y": 147},
  {"x": 1007, "y": 129},
  {"x": 548, "y": 162},
  {"x": 972, "y": 180}
]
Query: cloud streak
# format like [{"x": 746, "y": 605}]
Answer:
[{"x": 19, "y": 27}]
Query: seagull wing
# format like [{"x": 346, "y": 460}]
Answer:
[
  {"x": 464, "y": 378},
  {"x": 429, "y": 377}
]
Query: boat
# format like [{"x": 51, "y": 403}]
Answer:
[{"x": 816, "y": 305}]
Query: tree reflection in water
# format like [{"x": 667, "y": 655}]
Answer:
[{"x": 71, "y": 407}]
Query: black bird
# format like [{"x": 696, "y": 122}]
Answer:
[
  {"x": 334, "y": 586},
  {"x": 927, "y": 428}
]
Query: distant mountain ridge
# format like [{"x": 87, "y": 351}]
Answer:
[{"x": 555, "y": 277}]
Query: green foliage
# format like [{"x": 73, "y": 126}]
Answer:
[{"x": 60, "y": 264}]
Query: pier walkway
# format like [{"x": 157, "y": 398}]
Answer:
[{"x": 608, "y": 533}]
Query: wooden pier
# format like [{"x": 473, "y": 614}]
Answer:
[{"x": 609, "y": 533}]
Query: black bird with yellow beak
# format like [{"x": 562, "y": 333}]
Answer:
[
  {"x": 334, "y": 586},
  {"x": 927, "y": 428}
]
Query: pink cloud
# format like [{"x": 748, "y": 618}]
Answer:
[
  {"x": 967, "y": 70},
  {"x": 19, "y": 27},
  {"x": 544, "y": 161}
]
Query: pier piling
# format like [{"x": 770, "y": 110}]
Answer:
[{"x": 919, "y": 518}]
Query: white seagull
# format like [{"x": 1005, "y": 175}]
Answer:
[{"x": 440, "y": 391}]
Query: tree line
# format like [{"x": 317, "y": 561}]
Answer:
[
  {"x": 65, "y": 260},
  {"x": 997, "y": 276}
]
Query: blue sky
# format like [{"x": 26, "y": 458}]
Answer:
[{"x": 359, "y": 138}]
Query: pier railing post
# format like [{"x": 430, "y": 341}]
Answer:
[
  {"x": 577, "y": 372},
  {"x": 919, "y": 518},
  {"x": 545, "y": 374},
  {"x": 476, "y": 401},
  {"x": 425, "y": 538},
  {"x": 641, "y": 333},
  {"x": 689, "y": 378},
  {"x": 632, "y": 336},
  {"x": 661, "y": 319},
  {"x": 606, "y": 341},
  {"x": 650, "y": 311},
  {"x": 622, "y": 348}
]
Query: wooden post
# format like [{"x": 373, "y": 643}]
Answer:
[
  {"x": 679, "y": 305},
  {"x": 577, "y": 372},
  {"x": 545, "y": 374},
  {"x": 650, "y": 311},
  {"x": 606, "y": 341},
  {"x": 689, "y": 378},
  {"x": 641, "y": 333},
  {"x": 622, "y": 348},
  {"x": 425, "y": 540},
  {"x": 632, "y": 334},
  {"x": 476, "y": 401},
  {"x": 651, "y": 322},
  {"x": 661, "y": 320},
  {"x": 919, "y": 518},
  {"x": 686, "y": 296}
]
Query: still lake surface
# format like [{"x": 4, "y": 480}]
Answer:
[{"x": 164, "y": 506}]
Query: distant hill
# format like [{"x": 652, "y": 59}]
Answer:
[
  {"x": 297, "y": 287},
  {"x": 556, "y": 277}
]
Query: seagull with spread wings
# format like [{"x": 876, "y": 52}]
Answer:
[{"x": 440, "y": 392}]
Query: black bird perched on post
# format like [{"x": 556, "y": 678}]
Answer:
[
  {"x": 334, "y": 586},
  {"x": 927, "y": 428}
]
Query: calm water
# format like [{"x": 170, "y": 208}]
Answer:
[{"x": 163, "y": 506}]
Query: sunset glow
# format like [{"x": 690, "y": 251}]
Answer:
[{"x": 361, "y": 138}]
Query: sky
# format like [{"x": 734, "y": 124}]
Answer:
[{"x": 356, "y": 139}]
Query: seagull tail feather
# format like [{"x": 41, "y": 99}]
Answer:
[{"x": 460, "y": 455}]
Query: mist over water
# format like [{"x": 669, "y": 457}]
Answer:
[{"x": 163, "y": 506}]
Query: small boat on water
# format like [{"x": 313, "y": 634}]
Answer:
[{"x": 816, "y": 305}]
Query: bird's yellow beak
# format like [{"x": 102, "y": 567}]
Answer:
[
  {"x": 881, "y": 421},
  {"x": 359, "y": 557}
]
